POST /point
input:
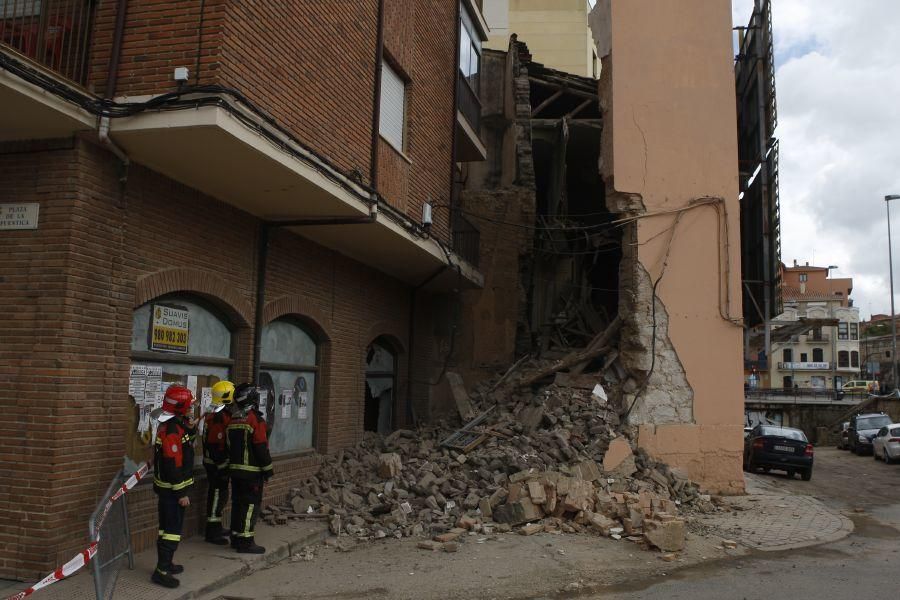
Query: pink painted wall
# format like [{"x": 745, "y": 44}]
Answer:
[{"x": 672, "y": 123}]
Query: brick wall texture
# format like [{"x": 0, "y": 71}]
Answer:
[
  {"x": 311, "y": 65},
  {"x": 68, "y": 289}
]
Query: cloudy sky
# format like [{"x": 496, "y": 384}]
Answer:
[{"x": 838, "y": 79}]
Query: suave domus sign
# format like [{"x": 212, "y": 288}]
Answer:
[{"x": 169, "y": 328}]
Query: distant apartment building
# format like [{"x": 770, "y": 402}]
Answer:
[
  {"x": 556, "y": 31},
  {"x": 826, "y": 354}
]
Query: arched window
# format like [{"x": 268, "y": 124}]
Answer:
[
  {"x": 844, "y": 358},
  {"x": 176, "y": 339},
  {"x": 854, "y": 359},
  {"x": 818, "y": 355},
  {"x": 381, "y": 385},
  {"x": 289, "y": 365}
]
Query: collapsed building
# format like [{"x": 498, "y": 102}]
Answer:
[{"x": 611, "y": 206}]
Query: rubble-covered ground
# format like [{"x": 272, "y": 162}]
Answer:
[{"x": 555, "y": 459}]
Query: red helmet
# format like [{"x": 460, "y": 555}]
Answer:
[{"x": 177, "y": 400}]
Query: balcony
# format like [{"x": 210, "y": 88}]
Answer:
[
  {"x": 468, "y": 122},
  {"x": 54, "y": 33},
  {"x": 45, "y": 41},
  {"x": 224, "y": 149},
  {"x": 466, "y": 240}
]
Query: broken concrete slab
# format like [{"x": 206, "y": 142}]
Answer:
[
  {"x": 667, "y": 535},
  {"x": 619, "y": 449}
]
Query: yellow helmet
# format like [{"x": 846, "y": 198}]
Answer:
[{"x": 222, "y": 393}]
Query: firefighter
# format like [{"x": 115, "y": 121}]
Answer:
[
  {"x": 249, "y": 467},
  {"x": 215, "y": 460},
  {"x": 173, "y": 466}
]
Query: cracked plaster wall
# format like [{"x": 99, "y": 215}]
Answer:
[{"x": 667, "y": 94}]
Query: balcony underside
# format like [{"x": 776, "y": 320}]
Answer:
[
  {"x": 31, "y": 113},
  {"x": 211, "y": 150},
  {"x": 468, "y": 145}
]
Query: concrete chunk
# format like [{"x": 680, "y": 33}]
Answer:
[
  {"x": 536, "y": 492},
  {"x": 516, "y": 513},
  {"x": 619, "y": 450},
  {"x": 429, "y": 545},
  {"x": 668, "y": 536},
  {"x": 580, "y": 496},
  {"x": 390, "y": 465},
  {"x": 531, "y": 529},
  {"x": 587, "y": 470}
]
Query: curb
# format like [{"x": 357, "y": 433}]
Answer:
[{"x": 266, "y": 560}]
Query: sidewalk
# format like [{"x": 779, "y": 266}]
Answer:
[
  {"x": 206, "y": 567},
  {"x": 770, "y": 519}
]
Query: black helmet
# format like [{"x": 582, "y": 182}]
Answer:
[{"x": 246, "y": 395}]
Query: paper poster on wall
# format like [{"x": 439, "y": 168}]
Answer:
[
  {"x": 192, "y": 384},
  {"x": 303, "y": 413},
  {"x": 152, "y": 389},
  {"x": 206, "y": 399},
  {"x": 263, "y": 399},
  {"x": 286, "y": 400},
  {"x": 169, "y": 328},
  {"x": 137, "y": 379},
  {"x": 144, "y": 420}
]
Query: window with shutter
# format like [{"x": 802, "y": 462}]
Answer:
[{"x": 393, "y": 107}]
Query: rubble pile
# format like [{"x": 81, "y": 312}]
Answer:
[{"x": 552, "y": 460}]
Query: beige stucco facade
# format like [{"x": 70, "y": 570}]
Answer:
[
  {"x": 556, "y": 32},
  {"x": 669, "y": 145}
]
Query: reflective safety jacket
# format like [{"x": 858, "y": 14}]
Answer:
[
  {"x": 248, "y": 447},
  {"x": 173, "y": 457},
  {"x": 215, "y": 452}
]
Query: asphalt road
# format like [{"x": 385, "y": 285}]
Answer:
[{"x": 864, "y": 565}]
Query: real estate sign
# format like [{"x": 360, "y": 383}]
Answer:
[{"x": 169, "y": 328}]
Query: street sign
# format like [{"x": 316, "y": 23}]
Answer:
[{"x": 19, "y": 216}]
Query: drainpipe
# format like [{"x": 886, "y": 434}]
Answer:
[
  {"x": 453, "y": 112},
  {"x": 262, "y": 260},
  {"x": 376, "y": 100},
  {"x": 111, "y": 79}
]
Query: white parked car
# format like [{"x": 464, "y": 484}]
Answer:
[{"x": 886, "y": 444}]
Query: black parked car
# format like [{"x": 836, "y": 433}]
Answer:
[
  {"x": 863, "y": 429},
  {"x": 782, "y": 448}
]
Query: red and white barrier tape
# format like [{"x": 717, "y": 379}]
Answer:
[
  {"x": 129, "y": 483},
  {"x": 85, "y": 556}
]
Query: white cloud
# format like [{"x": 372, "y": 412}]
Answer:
[{"x": 838, "y": 84}]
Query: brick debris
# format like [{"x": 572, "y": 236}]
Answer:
[{"x": 557, "y": 459}]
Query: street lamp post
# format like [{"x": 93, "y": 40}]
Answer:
[{"x": 887, "y": 202}]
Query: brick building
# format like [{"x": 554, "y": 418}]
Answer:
[{"x": 276, "y": 177}]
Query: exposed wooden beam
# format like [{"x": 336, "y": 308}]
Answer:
[
  {"x": 547, "y": 102},
  {"x": 568, "y": 90},
  {"x": 580, "y": 108}
]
